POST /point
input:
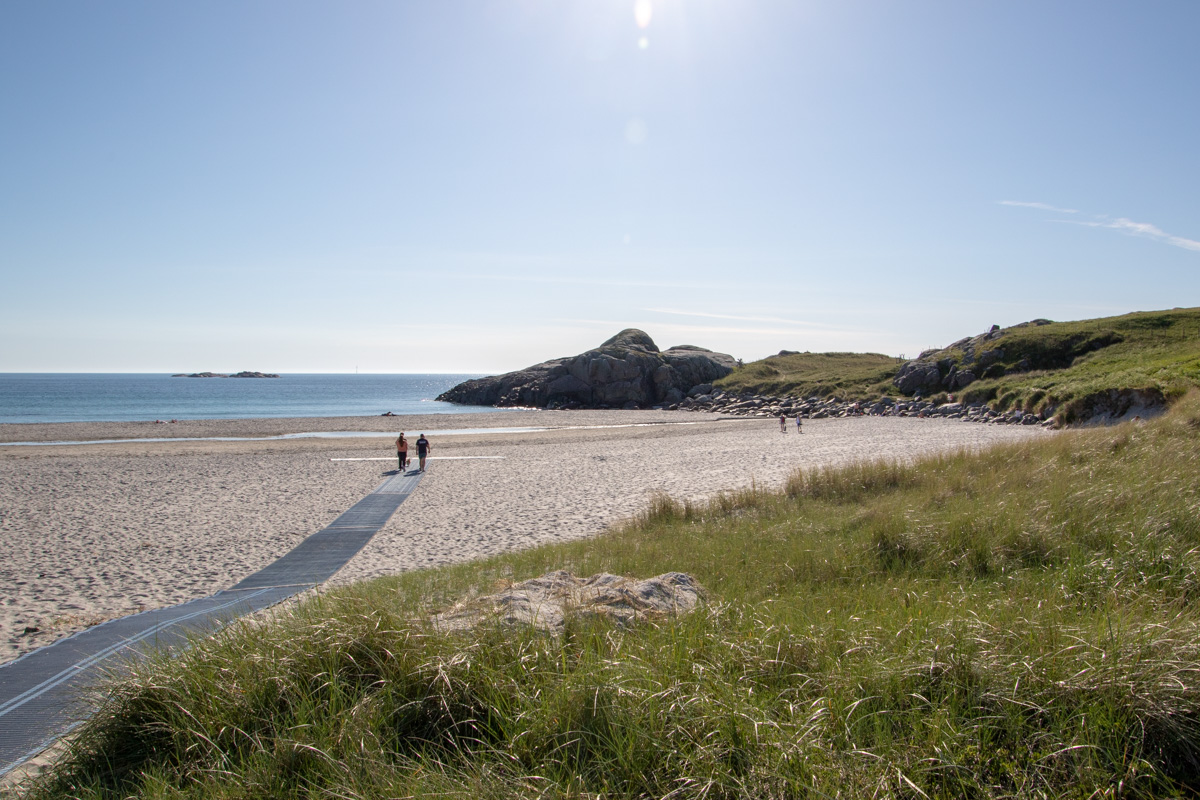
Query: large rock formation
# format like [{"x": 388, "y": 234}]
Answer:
[{"x": 627, "y": 371}]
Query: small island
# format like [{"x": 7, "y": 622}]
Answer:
[{"x": 223, "y": 375}]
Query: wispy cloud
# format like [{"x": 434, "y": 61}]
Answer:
[
  {"x": 734, "y": 317},
  {"x": 1039, "y": 206},
  {"x": 713, "y": 330},
  {"x": 809, "y": 332},
  {"x": 1124, "y": 225},
  {"x": 1145, "y": 230},
  {"x": 575, "y": 280}
]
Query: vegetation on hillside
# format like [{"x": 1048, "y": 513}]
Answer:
[
  {"x": 1040, "y": 367},
  {"x": 1071, "y": 363},
  {"x": 847, "y": 375},
  {"x": 1020, "y": 622}
]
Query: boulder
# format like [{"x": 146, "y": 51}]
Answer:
[
  {"x": 547, "y": 602},
  {"x": 917, "y": 377},
  {"x": 627, "y": 371},
  {"x": 962, "y": 379}
]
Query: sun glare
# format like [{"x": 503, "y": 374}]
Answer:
[{"x": 643, "y": 10}]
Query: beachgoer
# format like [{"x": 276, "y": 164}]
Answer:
[
  {"x": 799, "y": 424},
  {"x": 782, "y": 424},
  {"x": 402, "y": 451},
  {"x": 423, "y": 448}
]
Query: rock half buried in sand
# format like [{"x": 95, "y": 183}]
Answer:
[{"x": 548, "y": 601}]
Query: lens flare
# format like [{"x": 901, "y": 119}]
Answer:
[{"x": 643, "y": 10}]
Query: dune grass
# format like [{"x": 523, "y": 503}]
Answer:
[{"x": 1019, "y": 622}]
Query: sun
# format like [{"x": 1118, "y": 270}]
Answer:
[{"x": 643, "y": 10}]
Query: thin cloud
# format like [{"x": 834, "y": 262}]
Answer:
[
  {"x": 1123, "y": 225},
  {"x": 715, "y": 330},
  {"x": 1039, "y": 206},
  {"x": 734, "y": 317},
  {"x": 577, "y": 281},
  {"x": 1143, "y": 229}
]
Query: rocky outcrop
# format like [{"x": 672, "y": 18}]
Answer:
[
  {"x": 994, "y": 354},
  {"x": 547, "y": 602},
  {"x": 627, "y": 371}
]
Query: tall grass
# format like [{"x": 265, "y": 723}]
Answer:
[{"x": 1014, "y": 623}]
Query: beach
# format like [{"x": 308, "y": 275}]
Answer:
[{"x": 90, "y": 532}]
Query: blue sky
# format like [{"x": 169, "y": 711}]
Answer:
[{"x": 469, "y": 185}]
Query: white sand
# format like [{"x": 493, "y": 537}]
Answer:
[{"x": 92, "y": 532}]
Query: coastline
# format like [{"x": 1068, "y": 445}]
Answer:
[
  {"x": 280, "y": 426},
  {"x": 95, "y": 531}
]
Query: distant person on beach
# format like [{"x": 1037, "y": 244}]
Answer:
[
  {"x": 782, "y": 424},
  {"x": 799, "y": 424},
  {"x": 402, "y": 451},
  {"x": 423, "y": 448}
]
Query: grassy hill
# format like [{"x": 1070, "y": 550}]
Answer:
[
  {"x": 849, "y": 375},
  {"x": 1069, "y": 364},
  {"x": 1020, "y": 622},
  {"x": 1041, "y": 366}
]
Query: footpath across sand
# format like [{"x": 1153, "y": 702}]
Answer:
[{"x": 96, "y": 531}]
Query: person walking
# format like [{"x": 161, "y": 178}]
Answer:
[
  {"x": 799, "y": 424},
  {"x": 782, "y": 424},
  {"x": 423, "y": 448},
  {"x": 402, "y": 451}
]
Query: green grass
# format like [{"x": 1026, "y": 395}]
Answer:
[
  {"x": 1021, "y": 622},
  {"x": 1060, "y": 367},
  {"x": 1074, "y": 361},
  {"x": 853, "y": 375}
]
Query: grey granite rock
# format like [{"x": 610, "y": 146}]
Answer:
[
  {"x": 547, "y": 602},
  {"x": 627, "y": 371}
]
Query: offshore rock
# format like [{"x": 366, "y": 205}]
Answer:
[
  {"x": 627, "y": 371},
  {"x": 223, "y": 375}
]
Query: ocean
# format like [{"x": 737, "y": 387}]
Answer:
[{"x": 80, "y": 397}]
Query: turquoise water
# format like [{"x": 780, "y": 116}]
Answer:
[{"x": 78, "y": 397}]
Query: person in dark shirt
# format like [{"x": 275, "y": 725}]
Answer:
[{"x": 423, "y": 448}]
